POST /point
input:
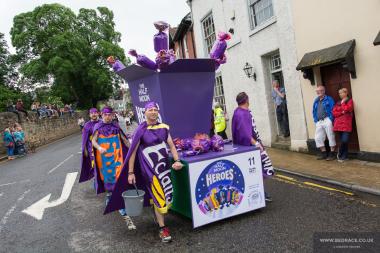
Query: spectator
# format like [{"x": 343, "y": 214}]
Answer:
[
  {"x": 52, "y": 110},
  {"x": 33, "y": 107},
  {"x": 12, "y": 108},
  {"x": 9, "y": 143},
  {"x": 42, "y": 111},
  {"x": 220, "y": 121},
  {"x": 279, "y": 99},
  {"x": 81, "y": 123},
  {"x": 19, "y": 138},
  {"x": 20, "y": 108},
  {"x": 323, "y": 118},
  {"x": 343, "y": 114}
]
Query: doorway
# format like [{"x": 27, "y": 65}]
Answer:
[{"x": 335, "y": 77}]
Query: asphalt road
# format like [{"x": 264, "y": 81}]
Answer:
[{"x": 78, "y": 225}]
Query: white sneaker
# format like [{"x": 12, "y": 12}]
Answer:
[{"x": 129, "y": 222}]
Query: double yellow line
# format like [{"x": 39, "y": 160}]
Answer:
[{"x": 293, "y": 180}]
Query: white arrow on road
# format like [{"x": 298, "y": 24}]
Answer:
[{"x": 37, "y": 209}]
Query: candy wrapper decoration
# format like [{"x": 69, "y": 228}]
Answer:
[
  {"x": 201, "y": 143},
  {"x": 218, "y": 49},
  {"x": 217, "y": 143},
  {"x": 116, "y": 64},
  {"x": 179, "y": 144},
  {"x": 161, "y": 40},
  {"x": 143, "y": 61},
  {"x": 187, "y": 144},
  {"x": 221, "y": 61},
  {"x": 164, "y": 58},
  {"x": 161, "y": 25}
]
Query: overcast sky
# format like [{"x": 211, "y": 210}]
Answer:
[{"x": 133, "y": 18}]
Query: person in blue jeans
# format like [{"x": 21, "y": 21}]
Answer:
[{"x": 9, "y": 143}]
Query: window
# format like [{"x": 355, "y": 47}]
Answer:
[
  {"x": 275, "y": 62},
  {"x": 208, "y": 32},
  {"x": 260, "y": 11},
  {"x": 219, "y": 92},
  {"x": 186, "y": 49}
]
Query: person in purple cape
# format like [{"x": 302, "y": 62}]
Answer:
[
  {"x": 87, "y": 171},
  {"x": 244, "y": 132},
  {"x": 151, "y": 168},
  {"x": 110, "y": 146},
  {"x": 116, "y": 64}
]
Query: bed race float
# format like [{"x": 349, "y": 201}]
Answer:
[{"x": 219, "y": 180}]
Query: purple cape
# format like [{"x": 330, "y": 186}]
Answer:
[
  {"x": 87, "y": 171},
  {"x": 243, "y": 129},
  {"x": 107, "y": 129}
]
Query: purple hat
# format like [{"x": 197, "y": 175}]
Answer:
[
  {"x": 107, "y": 109},
  {"x": 150, "y": 105},
  {"x": 93, "y": 110}
]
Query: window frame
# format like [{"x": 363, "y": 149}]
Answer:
[
  {"x": 252, "y": 15},
  {"x": 219, "y": 95},
  {"x": 207, "y": 48}
]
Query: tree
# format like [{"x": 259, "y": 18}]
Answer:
[
  {"x": 8, "y": 93},
  {"x": 7, "y": 68},
  {"x": 55, "y": 45}
]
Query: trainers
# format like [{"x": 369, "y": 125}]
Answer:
[
  {"x": 165, "y": 234},
  {"x": 331, "y": 157},
  {"x": 129, "y": 222},
  {"x": 322, "y": 156},
  {"x": 268, "y": 198}
]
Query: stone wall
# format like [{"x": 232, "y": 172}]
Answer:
[{"x": 39, "y": 132}]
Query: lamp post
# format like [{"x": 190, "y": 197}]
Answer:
[{"x": 249, "y": 71}]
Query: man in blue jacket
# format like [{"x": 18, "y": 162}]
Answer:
[{"x": 323, "y": 118}]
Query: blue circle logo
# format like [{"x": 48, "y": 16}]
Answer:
[{"x": 220, "y": 188}]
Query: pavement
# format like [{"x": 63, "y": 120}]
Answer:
[{"x": 352, "y": 174}]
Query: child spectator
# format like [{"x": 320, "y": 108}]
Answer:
[{"x": 9, "y": 143}]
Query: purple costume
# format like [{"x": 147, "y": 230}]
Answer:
[
  {"x": 152, "y": 168},
  {"x": 243, "y": 129},
  {"x": 107, "y": 166},
  {"x": 87, "y": 171}
]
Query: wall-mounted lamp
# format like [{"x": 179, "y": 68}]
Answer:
[{"x": 249, "y": 71}]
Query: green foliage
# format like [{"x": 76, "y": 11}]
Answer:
[
  {"x": 7, "y": 66},
  {"x": 9, "y": 96},
  {"x": 55, "y": 45}
]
